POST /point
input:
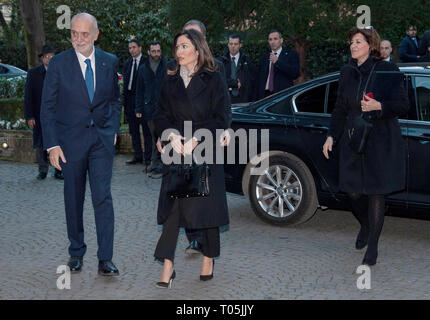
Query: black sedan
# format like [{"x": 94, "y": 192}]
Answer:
[{"x": 299, "y": 179}]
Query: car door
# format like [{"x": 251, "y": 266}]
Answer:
[
  {"x": 312, "y": 119},
  {"x": 419, "y": 145}
]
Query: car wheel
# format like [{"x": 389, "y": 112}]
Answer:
[{"x": 285, "y": 193}]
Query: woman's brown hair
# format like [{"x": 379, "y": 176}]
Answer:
[
  {"x": 205, "y": 58},
  {"x": 372, "y": 38}
]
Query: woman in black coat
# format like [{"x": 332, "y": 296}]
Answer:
[
  {"x": 195, "y": 92},
  {"x": 381, "y": 168}
]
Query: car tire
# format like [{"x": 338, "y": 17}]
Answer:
[{"x": 288, "y": 197}]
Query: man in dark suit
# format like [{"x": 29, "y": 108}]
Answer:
[
  {"x": 131, "y": 69},
  {"x": 278, "y": 68},
  {"x": 80, "y": 116},
  {"x": 32, "y": 99},
  {"x": 149, "y": 80},
  {"x": 408, "y": 48},
  {"x": 386, "y": 49},
  {"x": 424, "y": 48},
  {"x": 239, "y": 71}
]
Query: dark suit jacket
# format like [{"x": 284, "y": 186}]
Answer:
[
  {"x": 66, "y": 107},
  {"x": 408, "y": 51},
  {"x": 130, "y": 96},
  {"x": 286, "y": 69},
  {"x": 424, "y": 44},
  {"x": 148, "y": 88},
  {"x": 245, "y": 72},
  {"x": 32, "y": 100}
]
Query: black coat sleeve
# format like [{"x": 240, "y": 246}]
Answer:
[
  {"x": 28, "y": 97},
  {"x": 340, "y": 111},
  {"x": 140, "y": 90}
]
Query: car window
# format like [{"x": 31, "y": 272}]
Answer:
[
  {"x": 311, "y": 100},
  {"x": 412, "y": 111},
  {"x": 3, "y": 69},
  {"x": 422, "y": 85},
  {"x": 280, "y": 107},
  {"x": 332, "y": 96}
]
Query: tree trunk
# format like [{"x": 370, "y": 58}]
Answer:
[
  {"x": 32, "y": 18},
  {"x": 301, "y": 45}
]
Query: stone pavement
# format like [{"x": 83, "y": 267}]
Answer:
[{"x": 316, "y": 260}]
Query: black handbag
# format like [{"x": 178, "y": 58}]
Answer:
[
  {"x": 359, "y": 133},
  {"x": 186, "y": 181}
]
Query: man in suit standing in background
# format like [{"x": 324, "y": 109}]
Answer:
[
  {"x": 239, "y": 71},
  {"x": 32, "y": 100},
  {"x": 386, "y": 50},
  {"x": 130, "y": 72},
  {"x": 278, "y": 68},
  {"x": 80, "y": 116},
  {"x": 408, "y": 48}
]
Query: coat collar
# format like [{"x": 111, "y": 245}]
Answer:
[{"x": 197, "y": 84}]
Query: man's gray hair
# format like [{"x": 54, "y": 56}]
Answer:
[
  {"x": 88, "y": 16},
  {"x": 196, "y": 23}
]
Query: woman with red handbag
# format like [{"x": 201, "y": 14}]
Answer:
[{"x": 365, "y": 128}]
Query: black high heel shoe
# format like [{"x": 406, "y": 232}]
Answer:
[
  {"x": 167, "y": 285},
  {"x": 370, "y": 256},
  {"x": 209, "y": 276},
  {"x": 362, "y": 237}
]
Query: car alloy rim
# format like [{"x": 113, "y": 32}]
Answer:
[{"x": 279, "y": 191}]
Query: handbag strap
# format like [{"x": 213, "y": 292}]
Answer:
[{"x": 367, "y": 82}]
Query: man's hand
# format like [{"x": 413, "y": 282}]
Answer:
[
  {"x": 54, "y": 155},
  {"x": 328, "y": 146},
  {"x": 273, "y": 57},
  {"x": 31, "y": 123},
  {"x": 238, "y": 84},
  {"x": 114, "y": 140},
  {"x": 225, "y": 138},
  {"x": 138, "y": 115}
]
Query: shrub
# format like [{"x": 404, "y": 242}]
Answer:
[
  {"x": 11, "y": 109},
  {"x": 12, "y": 87}
]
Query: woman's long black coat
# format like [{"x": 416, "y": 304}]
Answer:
[
  {"x": 206, "y": 103},
  {"x": 381, "y": 169}
]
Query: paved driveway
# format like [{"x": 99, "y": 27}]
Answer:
[{"x": 316, "y": 260}]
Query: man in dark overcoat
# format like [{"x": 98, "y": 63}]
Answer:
[
  {"x": 149, "y": 79},
  {"x": 32, "y": 99},
  {"x": 278, "y": 68}
]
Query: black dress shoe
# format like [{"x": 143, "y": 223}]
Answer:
[
  {"x": 107, "y": 268},
  {"x": 134, "y": 161},
  {"x": 362, "y": 237},
  {"x": 193, "y": 248},
  {"x": 41, "y": 176},
  {"x": 58, "y": 175},
  {"x": 75, "y": 264}
]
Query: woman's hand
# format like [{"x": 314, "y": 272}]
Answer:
[
  {"x": 189, "y": 146},
  {"x": 175, "y": 140},
  {"x": 328, "y": 146},
  {"x": 369, "y": 104}
]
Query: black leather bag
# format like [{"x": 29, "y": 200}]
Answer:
[
  {"x": 359, "y": 134},
  {"x": 186, "y": 181}
]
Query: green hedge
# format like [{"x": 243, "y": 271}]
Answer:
[
  {"x": 11, "y": 109},
  {"x": 12, "y": 87}
]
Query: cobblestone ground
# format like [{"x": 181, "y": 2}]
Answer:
[{"x": 316, "y": 260}]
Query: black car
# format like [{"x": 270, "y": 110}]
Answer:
[{"x": 299, "y": 179}]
